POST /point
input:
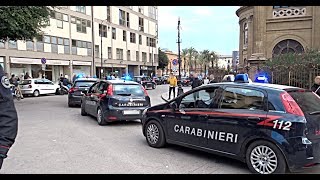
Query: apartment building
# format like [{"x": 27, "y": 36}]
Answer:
[{"x": 89, "y": 40}]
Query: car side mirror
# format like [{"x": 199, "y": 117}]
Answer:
[{"x": 174, "y": 105}]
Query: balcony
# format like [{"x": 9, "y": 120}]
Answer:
[{"x": 289, "y": 12}]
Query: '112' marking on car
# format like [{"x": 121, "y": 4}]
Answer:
[{"x": 279, "y": 125}]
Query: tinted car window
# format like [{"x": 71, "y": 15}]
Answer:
[
  {"x": 121, "y": 89},
  {"x": 84, "y": 83},
  {"x": 25, "y": 82},
  {"x": 239, "y": 98},
  {"x": 308, "y": 101},
  {"x": 204, "y": 98}
]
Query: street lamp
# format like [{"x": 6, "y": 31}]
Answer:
[{"x": 101, "y": 70}]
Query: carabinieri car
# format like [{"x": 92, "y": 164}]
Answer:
[{"x": 272, "y": 128}]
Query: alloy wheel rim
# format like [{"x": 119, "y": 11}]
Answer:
[
  {"x": 152, "y": 134},
  {"x": 263, "y": 160},
  {"x": 99, "y": 115},
  {"x": 36, "y": 93}
]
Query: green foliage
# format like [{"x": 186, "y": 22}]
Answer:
[
  {"x": 163, "y": 60},
  {"x": 23, "y": 22}
]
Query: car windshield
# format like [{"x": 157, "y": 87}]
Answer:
[
  {"x": 308, "y": 101},
  {"x": 124, "y": 89},
  {"x": 84, "y": 83},
  {"x": 25, "y": 82}
]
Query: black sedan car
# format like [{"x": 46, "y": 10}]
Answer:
[
  {"x": 185, "y": 81},
  {"x": 145, "y": 81},
  {"x": 115, "y": 100},
  {"x": 75, "y": 92},
  {"x": 272, "y": 128}
]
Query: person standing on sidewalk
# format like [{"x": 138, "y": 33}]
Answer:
[
  {"x": 316, "y": 86},
  {"x": 195, "y": 83},
  {"x": 172, "y": 80},
  {"x": 8, "y": 117}
]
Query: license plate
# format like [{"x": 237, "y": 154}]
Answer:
[{"x": 126, "y": 112}]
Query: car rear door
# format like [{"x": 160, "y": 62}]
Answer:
[
  {"x": 240, "y": 110},
  {"x": 50, "y": 88},
  {"x": 41, "y": 86},
  {"x": 90, "y": 104}
]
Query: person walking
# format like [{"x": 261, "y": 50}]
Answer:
[
  {"x": 212, "y": 80},
  {"x": 316, "y": 86},
  {"x": 172, "y": 80},
  {"x": 27, "y": 76},
  {"x": 14, "y": 81},
  {"x": 195, "y": 83},
  {"x": 8, "y": 117}
]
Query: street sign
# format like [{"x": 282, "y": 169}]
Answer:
[
  {"x": 43, "y": 60},
  {"x": 175, "y": 62},
  {"x": 43, "y": 67}
]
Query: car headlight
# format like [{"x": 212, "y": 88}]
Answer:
[{"x": 144, "y": 111}]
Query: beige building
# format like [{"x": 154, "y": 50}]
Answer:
[
  {"x": 270, "y": 30},
  {"x": 72, "y": 43},
  {"x": 173, "y": 65}
]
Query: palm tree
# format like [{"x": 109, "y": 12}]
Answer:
[
  {"x": 196, "y": 56},
  {"x": 184, "y": 56},
  {"x": 214, "y": 58},
  {"x": 191, "y": 53},
  {"x": 206, "y": 57}
]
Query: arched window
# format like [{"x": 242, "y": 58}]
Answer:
[
  {"x": 287, "y": 46},
  {"x": 245, "y": 34}
]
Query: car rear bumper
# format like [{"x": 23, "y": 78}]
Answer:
[
  {"x": 119, "y": 114},
  {"x": 74, "y": 99}
]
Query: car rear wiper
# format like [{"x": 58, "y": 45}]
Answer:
[
  {"x": 124, "y": 94},
  {"x": 314, "y": 112}
]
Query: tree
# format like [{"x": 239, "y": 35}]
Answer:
[
  {"x": 206, "y": 56},
  {"x": 23, "y": 22},
  {"x": 191, "y": 51},
  {"x": 214, "y": 58},
  {"x": 184, "y": 57},
  {"x": 163, "y": 60},
  {"x": 196, "y": 56}
]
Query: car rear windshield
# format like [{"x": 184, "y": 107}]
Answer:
[
  {"x": 307, "y": 100},
  {"x": 84, "y": 83},
  {"x": 128, "y": 90},
  {"x": 25, "y": 82}
]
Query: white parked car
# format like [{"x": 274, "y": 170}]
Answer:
[{"x": 37, "y": 87}]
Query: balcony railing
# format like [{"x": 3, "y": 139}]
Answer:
[{"x": 289, "y": 12}]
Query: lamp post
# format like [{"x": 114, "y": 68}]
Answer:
[
  {"x": 101, "y": 70},
  {"x": 180, "y": 90}
]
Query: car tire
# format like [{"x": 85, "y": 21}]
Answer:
[
  {"x": 57, "y": 92},
  {"x": 36, "y": 93},
  {"x": 254, "y": 158},
  {"x": 153, "y": 86},
  {"x": 154, "y": 134},
  {"x": 100, "y": 117},
  {"x": 83, "y": 111}
]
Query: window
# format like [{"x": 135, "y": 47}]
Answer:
[
  {"x": 66, "y": 49},
  {"x": 84, "y": 44},
  {"x": 140, "y": 39},
  {"x": 39, "y": 44},
  {"x": 65, "y": 18},
  {"x": 74, "y": 50},
  {"x": 109, "y": 53},
  {"x": 81, "y": 9},
  {"x": 119, "y": 53},
  {"x": 124, "y": 19},
  {"x": 275, "y": 7},
  {"x": 46, "y": 39},
  {"x": 151, "y": 42},
  {"x": 108, "y": 14},
  {"x": 114, "y": 31},
  {"x": 133, "y": 37},
  {"x": 60, "y": 41},
  {"x": 88, "y": 23},
  {"x": 96, "y": 51},
  {"x": 155, "y": 58},
  {"x": 153, "y": 12},
  {"x": 144, "y": 57},
  {"x": 2, "y": 45},
  {"x": 150, "y": 57},
  {"x": 245, "y": 34},
  {"x": 89, "y": 50},
  {"x": 13, "y": 44},
  {"x": 141, "y": 24},
  {"x": 287, "y": 46},
  {"x": 66, "y": 42},
  {"x": 89, "y": 45},
  {"x": 205, "y": 98},
  {"x": 124, "y": 35},
  {"x": 73, "y": 19},
  {"x": 54, "y": 48},
  {"x": 79, "y": 44},
  {"x": 128, "y": 55},
  {"x": 103, "y": 29},
  {"x": 74, "y": 43},
  {"x": 81, "y": 25},
  {"x": 59, "y": 24},
  {"x": 140, "y": 9},
  {"x": 53, "y": 40},
  {"x": 137, "y": 56},
  {"x": 29, "y": 45},
  {"x": 148, "y": 41},
  {"x": 236, "y": 98}
]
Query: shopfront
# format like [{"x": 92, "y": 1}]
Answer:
[
  {"x": 20, "y": 66},
  {"x": 119, "y": 71},
  {"x": 147, "y": 70},
  {"x": 82, "y": 67}
]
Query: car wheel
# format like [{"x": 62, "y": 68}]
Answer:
[
  {"x": 36, "y": 93},
  {"x": 100, "y": 117},
  {"x": 155, "y": 134},
  {"x": 264, "y": 157},
  {"x": 83, "y": 111},
  {"x": 153, "y": 86},
  {"x": 57, "y": 92}
]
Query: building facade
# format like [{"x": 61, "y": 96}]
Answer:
[
  {"x": 89, "y": 40},
  {"x": 235, "y": 60},
  {"x": 266, "y": 31},
  {"x": 225, "y": 62}
]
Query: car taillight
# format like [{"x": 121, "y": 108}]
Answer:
[
  {"x": 290, "y": 104},
  {"x": 110, "y": 90},
  {"x": 30, "y": 86},
  {"x": 72, "y": 89},
  {"x": 145, "y": 91}
]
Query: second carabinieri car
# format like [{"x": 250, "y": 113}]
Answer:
[
  {"x": 115, "y": 100},
  {"x": 270, "y": 127}
]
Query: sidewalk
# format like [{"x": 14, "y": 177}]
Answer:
[{"x": 165, "y": 95}]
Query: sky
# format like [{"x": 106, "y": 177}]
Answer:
[{"x": 215, "y": 28}]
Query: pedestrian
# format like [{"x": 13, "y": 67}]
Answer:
[
  {"x": 212, "y": 80},
  {"x": 8, "y": 117},
  {"x": 74, "y": 78},
  {"x": 172, "y": 80},
  {"x": 14, "y": 80},
  {"x": 195, "y": 83},
  {"x": 27, "y": 76},
  {"x": 316, "y": 86}
]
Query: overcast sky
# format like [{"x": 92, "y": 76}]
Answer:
[{"x": 203, "y": 27}]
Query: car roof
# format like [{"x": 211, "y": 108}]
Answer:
[
  {"x": 120, "y": 82},
  {"x": 259, "y": 85},
  {"x": 86, "y": 79}
]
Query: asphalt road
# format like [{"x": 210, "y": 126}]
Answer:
[{"x": 54, "y": 139}]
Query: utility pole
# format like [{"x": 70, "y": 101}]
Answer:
[
  {"x": 180, "y": 90},
  {"x": 101, "y": 51}
]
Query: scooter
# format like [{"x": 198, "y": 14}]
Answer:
[
  {"x": 63, "y": 89},
  {"x": 14, "y": 92}
]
